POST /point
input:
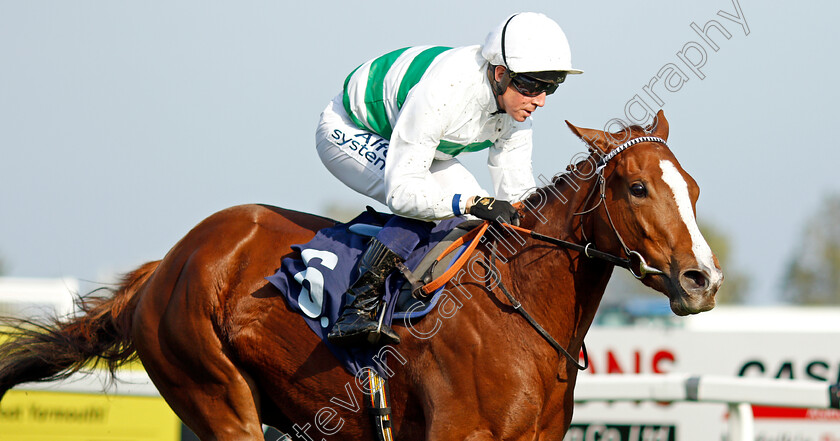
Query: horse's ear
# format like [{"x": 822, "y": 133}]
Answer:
[
  {"x": 659, "y": 126},
  {"x": 594, "y": 139}
]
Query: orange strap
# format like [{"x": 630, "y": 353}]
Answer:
[
  {"x": 518, "y": 228},
  {"x": 473, "y": 235}
]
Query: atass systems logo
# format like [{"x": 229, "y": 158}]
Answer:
[{"x": 367, "y": 148}]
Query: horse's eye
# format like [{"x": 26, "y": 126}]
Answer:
[{"x": 638, "y": 189}]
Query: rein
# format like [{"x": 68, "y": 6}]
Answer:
[
  {"x": 588, "y": 251},
  {"x": 633, "y": 261},
  {"x": 491, "y": 269}
]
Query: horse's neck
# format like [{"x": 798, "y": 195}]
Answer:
[
  {"x": 570, "y": 206},
  {"x": 566, "y": 196},
  {"x": 564, "y": 286}
]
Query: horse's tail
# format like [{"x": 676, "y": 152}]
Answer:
[{"x": 55, "y": 350}]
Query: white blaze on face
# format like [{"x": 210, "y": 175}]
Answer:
[{"x": 699, "y": 247}]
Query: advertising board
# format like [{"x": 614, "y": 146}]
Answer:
[
  {"x": 767, "y": 349},
  {"x": 28, "y": 415}
]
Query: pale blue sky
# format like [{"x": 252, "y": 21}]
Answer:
[{"x": 123, "y": 124}]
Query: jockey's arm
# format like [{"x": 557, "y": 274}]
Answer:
[
  {"x": 426, "y": 116},
  {"x": 411, "y": 189},
  {"x": 509, "y": 162}
]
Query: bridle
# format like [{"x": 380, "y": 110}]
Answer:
[
  {"x": 642, "y": 269},
  {"x": 634, "y": 262},
  {"x": 634, "y": 259}
]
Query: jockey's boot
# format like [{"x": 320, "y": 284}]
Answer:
[{"x": 358, "y": 322}]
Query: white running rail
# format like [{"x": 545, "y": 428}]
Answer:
[{"x": 738, "y": 393}]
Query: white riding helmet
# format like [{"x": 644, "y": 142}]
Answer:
[{"x": 529, "y": 42}]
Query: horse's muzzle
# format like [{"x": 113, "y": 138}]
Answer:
[{"x": 696, "y": 291}]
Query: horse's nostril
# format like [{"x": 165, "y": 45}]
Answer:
[{"x": 697, "y": 280}]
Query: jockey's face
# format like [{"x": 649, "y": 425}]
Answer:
[{"x": 518, "y": 106}]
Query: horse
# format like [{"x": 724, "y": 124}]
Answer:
[{"x": 228, "y": 354}]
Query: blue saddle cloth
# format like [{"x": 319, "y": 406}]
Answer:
[{"x": 314, "y": 284}]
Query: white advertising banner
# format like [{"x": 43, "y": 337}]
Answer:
[{"x": 761, "y": 353}]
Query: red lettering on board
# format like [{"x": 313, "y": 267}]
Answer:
[{"x": 660, "y": 363}]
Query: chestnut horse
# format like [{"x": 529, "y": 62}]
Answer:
[{"x": 228, "y": 354}]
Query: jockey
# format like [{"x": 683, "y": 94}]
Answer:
[{"x": 424, "y": 106}]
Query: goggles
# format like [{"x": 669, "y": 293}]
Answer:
[{"x": 529, "y": 86}]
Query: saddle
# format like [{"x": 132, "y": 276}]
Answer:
[{"x": 413, "y": 302}]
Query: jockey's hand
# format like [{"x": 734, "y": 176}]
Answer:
[{"x": 493, "y": 209}]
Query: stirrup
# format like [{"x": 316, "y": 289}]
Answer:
[
  {"x": 375, "y": 336},
  {"x": 361, "y": 328}
]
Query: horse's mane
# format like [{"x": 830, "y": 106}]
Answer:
[{"x": 560, "y": 182}]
